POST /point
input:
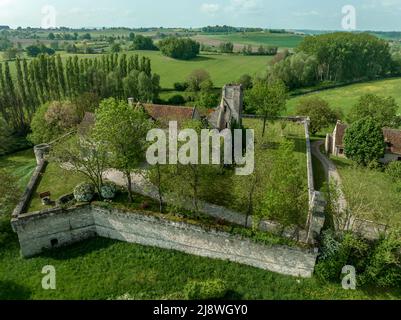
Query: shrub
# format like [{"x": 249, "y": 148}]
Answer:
[
  {"x": 394, "y": 170},
  {"x": 181, "y": 86},
  {"x": 384, "y": 266},
  {"x": 205, "y": 290},
  {"x": 108, "y": 190},
  {"x": 337, "y": 253},
  {"x": 176, "y": 100},
  {"x": 84, "y": 192}
]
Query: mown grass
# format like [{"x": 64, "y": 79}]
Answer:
[
  {"x": 344, "y": 98},
  {"x": 372, "y": 190},
  {"x": 58, "y": 182}
]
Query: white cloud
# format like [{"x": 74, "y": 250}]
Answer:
[
  {"x": 210, "y": 8},
  {"x": 238, "y": 7},
  {"x": 306, "y": 13}
]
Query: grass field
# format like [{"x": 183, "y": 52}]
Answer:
[
  {"x": 372, "y": 191},
  {"x": 344, "y": 98},
  {"x": 222, "y": 68},
  {"x": 280, "y": 40},
  {"x": 142, "y": 272}
]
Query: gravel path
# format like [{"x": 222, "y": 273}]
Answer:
[{"x": 331, "y": 172}]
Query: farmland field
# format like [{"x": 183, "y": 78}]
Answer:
[
  {"x": 281, "y": 40},
  {"x": 222, "y": 68},
  {"x": 344, "y": 98}
]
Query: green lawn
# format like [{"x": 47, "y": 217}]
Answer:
[
  {"x": 344, "y": 98},
  {"x": 373, "y": 191},
  {"x": 281, "y": 40},
  {"x": 56, "y": 180}
]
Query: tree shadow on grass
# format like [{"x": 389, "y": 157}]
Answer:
[
  {"x": 202, "y": 58},
  {"x": 10, "y": 290},
  {"x": 79, "y": 249}
]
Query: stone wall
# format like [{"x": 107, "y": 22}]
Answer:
[{"x": 55, "y": 228}]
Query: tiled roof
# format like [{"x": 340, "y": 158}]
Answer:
[
  {"x": 393, "y": 138},
  {"x": 166, "y": 113},
  {"x": 160, "y": 113}
]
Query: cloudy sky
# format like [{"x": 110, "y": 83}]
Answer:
[{"x": 291, "y": 14}]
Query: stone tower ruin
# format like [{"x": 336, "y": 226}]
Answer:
[{"x": 229, "y": 113}]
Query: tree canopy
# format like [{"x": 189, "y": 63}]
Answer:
[
  {"x": 364, "y": 141},
  {"x": 382, "y": 109},
  {"x": 179, "y": 48},
  {"x": 319, "y": 111}
]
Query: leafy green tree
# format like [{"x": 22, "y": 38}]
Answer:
[
  {"x": 10, "y": 53},
  {"x": 52, "y": 120},
  {"x": 268, "y": 99},
  {"x": 196, "y": 78},
  {"x": 122, "y": 130},
  {"x": 364, "y": 141},
  {"x": 115, "y": 48},
  {"x": 246, "y": 81},
  {"x": 382, "y": 109},
  {"x": 179, "y": 48},
  {"x": 319, "y": 111},
  {"x": 85, "y": 156}
]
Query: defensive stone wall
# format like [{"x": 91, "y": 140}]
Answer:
[{"x": 55, "y": 228}]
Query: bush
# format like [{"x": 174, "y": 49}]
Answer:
[
  {"x": 108, "y": 190},
  {"x": 205, "y": 290},
  {"x": 394, "y": 170},
  {"x": 181, "y": 86},
  {"x": 176, "y": 100},
  {"x": 384, "y": 266},
  {"x": 84, "y": 192},
  {"x": 377, "y": 263}
]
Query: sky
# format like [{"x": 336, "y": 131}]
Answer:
[{"x": 286, "y": 14}]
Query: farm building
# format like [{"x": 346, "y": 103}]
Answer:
[{"x": 392, "y": 138}]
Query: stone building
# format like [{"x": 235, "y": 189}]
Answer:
[
  {"x": 392, "y": 137},
  {"x": 227, "y": 114}
]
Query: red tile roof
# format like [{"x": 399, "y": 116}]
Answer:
[
  {"x": 166, "y": 113},
  {"x": 393, "y": 138},
  {"x": 161, "y": 113}
]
